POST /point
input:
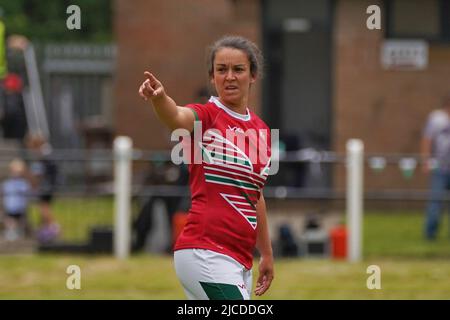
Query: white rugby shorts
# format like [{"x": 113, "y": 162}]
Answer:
[{"x": 209, "y": 275}]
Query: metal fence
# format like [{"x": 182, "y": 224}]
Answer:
[
  {"x": 78, "y": 84},
  {"x": 85, "y": 191}
]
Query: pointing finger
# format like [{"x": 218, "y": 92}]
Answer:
[{"x": 152, "y": 78}]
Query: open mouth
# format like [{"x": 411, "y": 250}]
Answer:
[{"x": 231, "y": 87}]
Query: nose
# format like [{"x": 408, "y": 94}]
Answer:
[{"x": 230, "y": 74}]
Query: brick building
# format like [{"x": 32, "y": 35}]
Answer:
[
  {"x": 170, "y": 39},
  {"x": 324, "y": 81}
]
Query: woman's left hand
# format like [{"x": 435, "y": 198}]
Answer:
[{"x": 266, "y": 275}]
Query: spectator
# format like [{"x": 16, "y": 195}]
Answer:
[
  {"x": 163, "y": 174},
  {"x": 44, "y": 175},
  {"x": 16, "y": 192},
  {"x": 436, "y": 150},
  {"x": 13, "y": 118}
]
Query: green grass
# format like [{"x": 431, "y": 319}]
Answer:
[
  {"x": 153, "y": 277},
  {"x": 77, "y": 216},
  {"x": 411, "y": 268},
  {"x": 386, "y": 234},
  {"x": 44, "y": 277},
  {"x": 400, "y": 235}
]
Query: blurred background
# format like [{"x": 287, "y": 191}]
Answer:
[{"x": 67, "y": 94}]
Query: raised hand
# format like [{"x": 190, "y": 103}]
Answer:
[{"x": 151, "y": 88}]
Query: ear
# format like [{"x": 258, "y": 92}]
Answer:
[{"x": 253, "y": 79}]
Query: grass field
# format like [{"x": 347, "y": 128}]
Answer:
[
  {"x": 77, "y": 215},
  {"x": 152, "y": 277},
  {"x": 411, "y": 268},
  {"x": 386, "y": 233},
  {"x": 400, "y": 235}
]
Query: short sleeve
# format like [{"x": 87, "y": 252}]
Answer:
[
  {"x": 267, "y": 159},
  {"x": 269, "y": 140},
  {"x": 200, "y": 113},
  {"x": 436, "y": 121},
  {"x": 265, "y": 148}
]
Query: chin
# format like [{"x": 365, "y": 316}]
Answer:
[
  {"x": 230, "y": 101},
  {"x": 232, "y": 97}
]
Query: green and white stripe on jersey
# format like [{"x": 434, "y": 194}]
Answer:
[{"x": 242, "y": 205}]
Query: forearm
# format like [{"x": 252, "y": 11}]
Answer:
[
  {"x": 425, "y": 148},
  {"x": 166, "y": 110},
  {"x": 263, "y": 243},
  {"x": 425, "y": 151}
]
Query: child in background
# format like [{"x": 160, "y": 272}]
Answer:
[
  {"x": 44, "y": 173},
  {"x": 16, "y": 193}
]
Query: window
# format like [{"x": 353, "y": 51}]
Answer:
[{"x": 424, "y": 19}]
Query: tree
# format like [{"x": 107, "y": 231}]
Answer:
[{"x": 45, "y": 20}]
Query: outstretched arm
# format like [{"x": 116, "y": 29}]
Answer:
[
  {"x": 165, "y": 108},
  {"x": 264, "y": 246}
]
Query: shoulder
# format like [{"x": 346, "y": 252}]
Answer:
[
  {"x": 203, "y": 112},
  {"x": 438, "y": 118},
  {"x": 258, "y": 121},
  {"x": 202, "y": 106}
]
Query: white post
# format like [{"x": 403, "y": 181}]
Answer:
[
  {"x": 355, "y": 164},
  {"x": 122, "y": 190}
]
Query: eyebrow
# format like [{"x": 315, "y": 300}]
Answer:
[{"x": 223, "y": 64}]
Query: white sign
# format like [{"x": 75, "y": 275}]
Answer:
[
  {"x": 296, "y": 25},
  {"x": 404, "y": 54}
]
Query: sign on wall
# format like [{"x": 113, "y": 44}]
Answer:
[{"x": 404, "y": 54}]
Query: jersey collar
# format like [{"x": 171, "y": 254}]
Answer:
[{"x": 236, "y": 115}]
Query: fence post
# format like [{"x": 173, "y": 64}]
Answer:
[
  {"x": 355, "y": 164},
  {"x": 122, "y": 198}
]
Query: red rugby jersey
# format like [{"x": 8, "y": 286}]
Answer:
[{"x": 227, "y": 183}]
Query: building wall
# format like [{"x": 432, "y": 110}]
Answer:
[
  {"x": 386, "y": 109},
  {"x": 169, "y": 38}
]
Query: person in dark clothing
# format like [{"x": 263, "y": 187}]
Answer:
[
  {"x": 44, "y": 177},
  {"x": 165, "y": 174},
  {"x": 13, "y": 115}
]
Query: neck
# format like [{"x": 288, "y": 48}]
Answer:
[{"x": 240, "y": 107}]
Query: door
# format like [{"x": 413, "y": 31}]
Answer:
[{"x": 297, "y": 87}]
